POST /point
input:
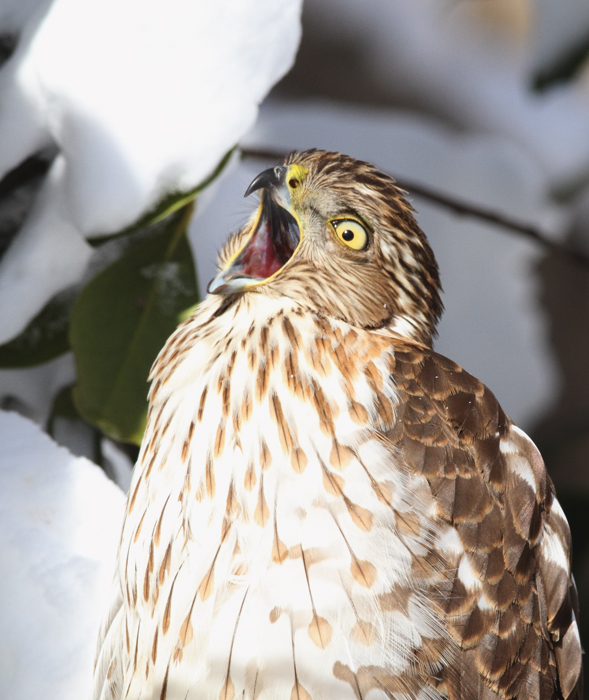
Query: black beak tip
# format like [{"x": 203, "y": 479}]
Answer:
[{"x": 273, "y": 177}]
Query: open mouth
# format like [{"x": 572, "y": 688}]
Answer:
[{"x": 272, "y": 244}]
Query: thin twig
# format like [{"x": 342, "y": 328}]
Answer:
[{"x": 459, "y": 207}]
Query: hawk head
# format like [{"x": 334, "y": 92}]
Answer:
[{"x": 337, "y": 236}]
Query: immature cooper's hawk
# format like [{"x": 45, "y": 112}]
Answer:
[{"x": 324, "y": 507}]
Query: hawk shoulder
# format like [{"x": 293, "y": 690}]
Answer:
[{"x": 508, "y": 597}]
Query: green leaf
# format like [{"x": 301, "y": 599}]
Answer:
[
  {"x": 170, "y": 203},
  {"x": 45, "y": 338},
  {"x": 122, "y": 319}
]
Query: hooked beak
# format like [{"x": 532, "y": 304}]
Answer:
[{"x": 274, "y": 239}]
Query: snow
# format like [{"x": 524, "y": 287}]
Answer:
[
  {"x": 143, "y": 98},
  {"x": 492, "y": 324},
  {"x": 47, "y": 256},
  {"x": 60, "y": 521},
  {"x": 31, "y": 390}
]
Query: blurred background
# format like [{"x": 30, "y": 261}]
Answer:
[{"x": 484, "y": 102}]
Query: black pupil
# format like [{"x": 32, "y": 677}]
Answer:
[
  {"x": 293, "y": 183},
  {"x": 348, "y": 235}
]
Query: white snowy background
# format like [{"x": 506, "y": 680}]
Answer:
[
  {"x": 60, "y": 521},
  {"x": 142, "y": 98}
]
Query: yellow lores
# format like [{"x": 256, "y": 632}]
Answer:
[{"x": 323, "y": 507}]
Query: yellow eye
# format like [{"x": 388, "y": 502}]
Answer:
[{"x": 350, "y": 232}]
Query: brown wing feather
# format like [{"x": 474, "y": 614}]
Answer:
[{"x": 490, "y": 483}]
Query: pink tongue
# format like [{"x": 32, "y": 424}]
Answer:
[{"x": 259, "y": 258}]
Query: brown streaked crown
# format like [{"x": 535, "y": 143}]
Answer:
[{"x": 392, "y": 283}]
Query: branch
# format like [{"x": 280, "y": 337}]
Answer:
[{"x": 460, "y": 207}]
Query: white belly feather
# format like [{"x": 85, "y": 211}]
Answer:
[{"x": 264, "y": 536}]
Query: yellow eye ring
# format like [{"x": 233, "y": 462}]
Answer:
[{"x": 351, "y": 233}]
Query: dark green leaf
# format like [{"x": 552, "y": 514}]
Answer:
[
  {"x": 44, "y": 339},
  {"x": 121, "y": 320}
]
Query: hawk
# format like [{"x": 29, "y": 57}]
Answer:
[{"x": 323, "y": 507}]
